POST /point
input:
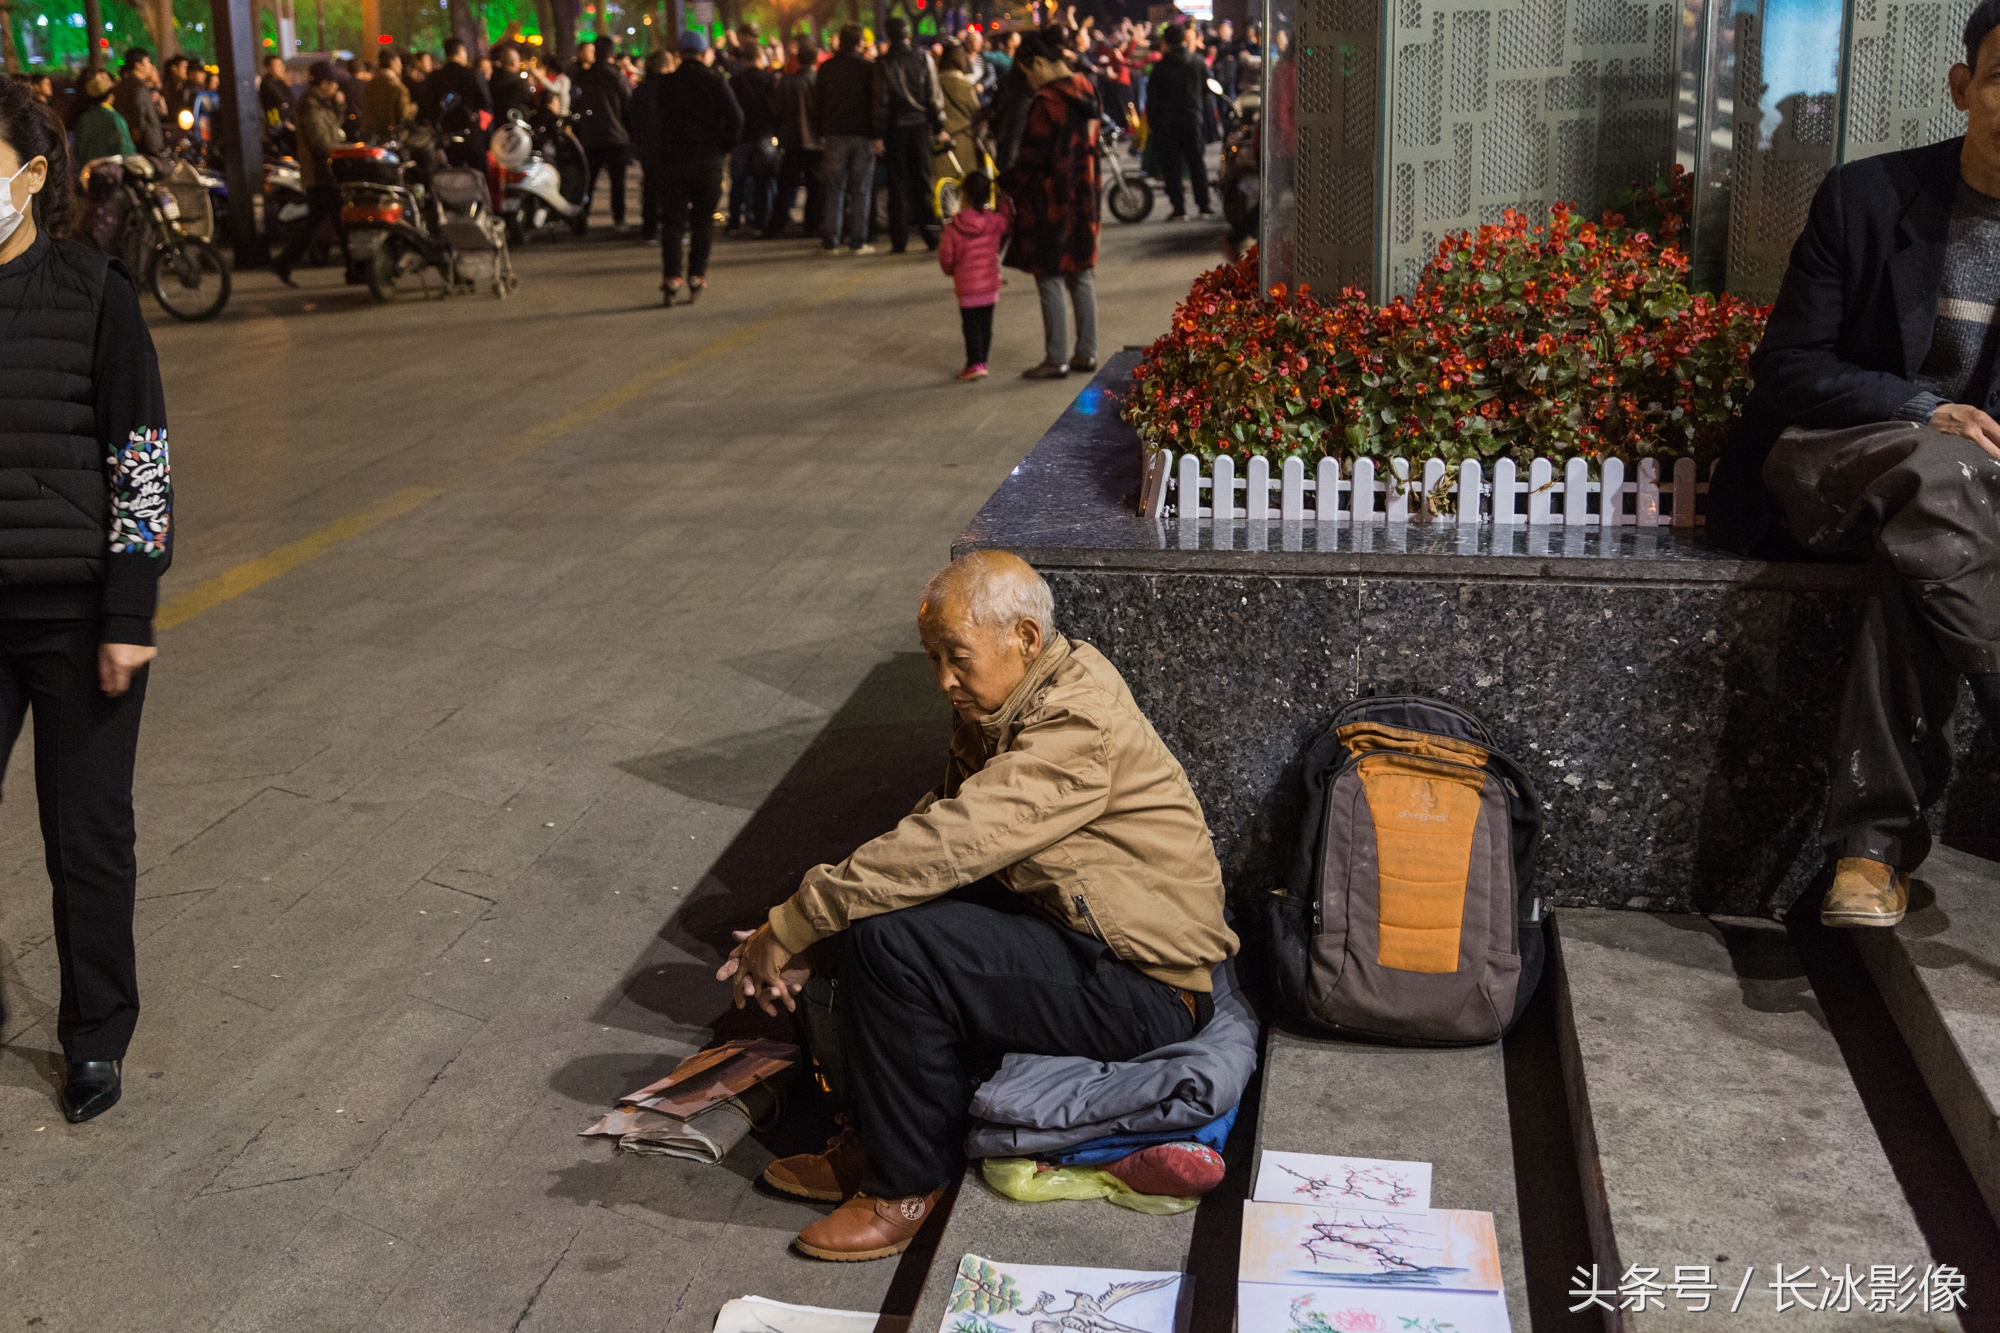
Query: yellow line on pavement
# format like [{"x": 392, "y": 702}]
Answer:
[
  {"x": 233, "y": 583},
  {"x": 255, "y": 573}
]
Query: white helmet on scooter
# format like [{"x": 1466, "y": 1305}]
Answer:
[{"x": 512, "y": 144}]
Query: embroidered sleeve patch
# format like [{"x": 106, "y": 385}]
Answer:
[{"x": 142, "y": 491}]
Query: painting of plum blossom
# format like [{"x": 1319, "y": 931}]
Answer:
[
  {"x": 1270, "y": 1308},
  {"x": 1297, "y": 1177},
  {"x": 1443, "y": 1248}
]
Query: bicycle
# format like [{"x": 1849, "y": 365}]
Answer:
[{"x": 945, "y": 194}]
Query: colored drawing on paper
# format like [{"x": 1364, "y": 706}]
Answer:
[
  {"x": 1293, "y": 1309},
  {"x": 1445, "y": 1249},
  {"x": 1289, "y": 1177},
  {"x": 993, "y": 1297}
]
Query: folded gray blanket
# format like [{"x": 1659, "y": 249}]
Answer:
[{"x": 1047, "y": 1103}]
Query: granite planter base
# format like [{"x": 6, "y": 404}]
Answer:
[{"x": 1673, "y": 700}]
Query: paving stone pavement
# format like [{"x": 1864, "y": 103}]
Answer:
[{"x": 443, "y": 832}]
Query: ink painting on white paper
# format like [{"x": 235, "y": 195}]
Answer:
[
  {"x": 989, "y": 1296},
  {"x": 1353, "y": 1182}
]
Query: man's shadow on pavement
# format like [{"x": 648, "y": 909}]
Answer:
[{"x": 860, "y": 772}]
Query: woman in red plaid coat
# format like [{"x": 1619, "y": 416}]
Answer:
[{"x": 1054, "y": 187}]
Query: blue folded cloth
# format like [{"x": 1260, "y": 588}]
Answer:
[{"x": 1114, "y": 1146}]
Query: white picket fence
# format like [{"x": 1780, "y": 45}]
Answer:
[{"x": 1549, "y": 495}]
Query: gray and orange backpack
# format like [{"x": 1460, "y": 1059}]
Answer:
[{"x": 1409, "y": 911}]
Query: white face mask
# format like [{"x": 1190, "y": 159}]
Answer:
[{"x": 10, "y": 216}]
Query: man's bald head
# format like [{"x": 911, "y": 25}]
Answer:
[
  {"x": 994, "y": 589},
  {"x": 984, "y": 620}
]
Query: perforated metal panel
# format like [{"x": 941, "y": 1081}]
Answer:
[
  {"x": 1518, "y": 104},
  {"x": 1420, "y": 117},
  {"x": 1337, "y": 49},
  {"x": 1896, "y": 94}
]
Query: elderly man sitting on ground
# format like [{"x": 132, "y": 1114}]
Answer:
[{"x": 1056, "y": 788}]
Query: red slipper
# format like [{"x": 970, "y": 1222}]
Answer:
[{"x": 1180, "y": 1169}]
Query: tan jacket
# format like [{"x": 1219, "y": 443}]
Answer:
[
  {"x": 1067, "y": 795},
  {"x": 386, "y": 107}
]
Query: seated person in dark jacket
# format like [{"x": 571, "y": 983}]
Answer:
[{"x": 1870, "y": 432}]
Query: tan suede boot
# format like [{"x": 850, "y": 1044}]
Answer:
[
  {"x": 868, "y": 1228},
  {"x": 1865, "y": 893},
  {"x": 833, "y": 1176}
]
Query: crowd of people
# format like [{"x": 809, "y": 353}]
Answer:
[{"x": 766, "y": 135}]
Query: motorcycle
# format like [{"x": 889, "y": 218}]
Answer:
[
  {"x": 1240, "y": 184},
  {"x": 157, "y": 218},
  {"x": 399, "y": 227},
  {"x": 1127, "y": 192},
  {"x": 545, "y": 175}
]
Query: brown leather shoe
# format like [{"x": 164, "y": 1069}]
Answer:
[
  {"x": 868, "y": 1228},
  {"x": 833, "y": 1176},
  {"x": 1865, "y": 893}
]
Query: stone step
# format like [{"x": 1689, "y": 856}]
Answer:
[
  {"x": 1079, "y": 1233},
  {"x": 1939, "y": 974},
  {"x": 1718, "y": 1126},
  {"x": 1448, "y": 1108}
]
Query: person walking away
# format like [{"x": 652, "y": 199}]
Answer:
[
  {"x": 969, "y": 253},
  {"x": 753, "y": 162},
  {"x": 798, "y": 143},
  {"x": 136, "y": 102},
  {"x": 101, "y": 131},
  {"x": 1053, "y": 185},
  {"x": 387, "y": 109},
  {"x": 459, "y": 95},
  {"x": 319, "y": 134},
  {"x": 1176, "y": 97},
  {"x": 910, "y": 110},
  {"x": 83, "y": 423},
  {"x": 511, "y": 87},
  {"x": 844, "y": 116},
  {"x": 961, "y": 115},
  {"x": 645, "y": 128},
  {"x": 602, "y": 103},
  {"x": 699, "y": 124}
]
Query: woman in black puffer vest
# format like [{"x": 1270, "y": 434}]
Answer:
[{"x": 86, "y": 505}]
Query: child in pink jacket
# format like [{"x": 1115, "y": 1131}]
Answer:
[{"x": 970, "y": 254}]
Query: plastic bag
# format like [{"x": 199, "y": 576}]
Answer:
[{"x": 1030, "y": 1181}]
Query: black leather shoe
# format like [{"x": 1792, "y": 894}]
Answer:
[{"x": 90, "y": 1088}]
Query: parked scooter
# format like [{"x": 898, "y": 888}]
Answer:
[
  {"x": 1240, "y": 182},
  {"x": 400, "y": 228},
  {"x": 545, "y": 173},
  {"x": 1127, "y": 193},
  {"x": 285, "y": 205}
]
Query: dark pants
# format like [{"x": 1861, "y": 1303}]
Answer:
[
  {"x": 649, "y": 200},
  {"x": 610, "y": 157},
  {"x": 931, "y": 995},
  {"x": 689, "y": 192},
  {"x": 1180, "y": 148},
  {"x": 906, "y": 153},
  {"x": 796, "y": 167},
  {"x": 753, "y": 174},
  {"x": 977, "y": 322},
  {"x": 324, "y": 203},
  {"x": 84, "y": 746},
  {"x": 1924, "y": 506}
]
